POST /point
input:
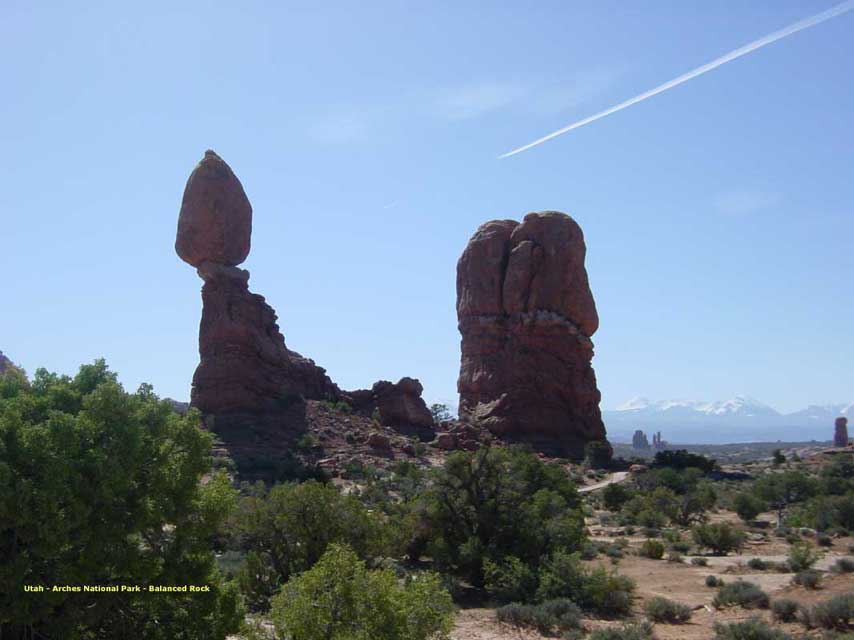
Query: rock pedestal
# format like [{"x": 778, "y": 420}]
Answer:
[{"x": 526, "y": 315}]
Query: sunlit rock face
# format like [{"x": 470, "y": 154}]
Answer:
[{"x": 526, "y": 315}]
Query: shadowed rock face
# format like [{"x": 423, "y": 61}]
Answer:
[
  {"x": 840, "y": 432},
  {"x": 215, "y": 223},
  {"x": 526, "y": 315},
  {"x": 245, "y": 366}
]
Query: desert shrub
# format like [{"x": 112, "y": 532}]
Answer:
[
  {"x": 293, "y": 526},
  {"x": 757, "y": 564},
  {"x": 652, "y": 549},
  {"x": 257, "y": 580},
  {"x": 340, "y": 598},
  {"x": 843, "y": 565},
  {"x": 719, "y": 537},
  {"x": 713, "y": 581},
  {"x": 497, "y": 502},
  {"x": 101, "y": 486},
  {"x": 589, "y": 551},
  {"x": 748, "y": 506},
  {"x": 779, "y": 490},
  {"x": 518, "y": 615},
  {"x": 835, "y": 613},
  {"x": 660, "y": 609},
  {"x": 808, "y": 578},
  {"x": 561, "y": 576},
  {"x": 745, "y": 594},
  {"x": 607, "y": 594},
  {"x": 565, "y": 612},
  {"x": 681, "y": 459},
  {"x": 785, "y": 610},
  {"x": 614, "y": 496},
  {"x": 560, "y": 613},
  {"x": 801, "y": 557},
  {"x": 681, "y": 546},
  {"x": 637, "y": 631},
  {"x": 823, "y": 540},
  {"x": 509, "y": 579},
  {"x": 697, "y": 561},
  {"x": 752, "y": 629},
  {"x": 674, "y": 556}
]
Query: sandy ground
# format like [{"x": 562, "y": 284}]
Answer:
[{"x": 683, "y": 583}]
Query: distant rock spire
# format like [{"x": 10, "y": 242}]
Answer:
[{"x": 840, "y": 432}]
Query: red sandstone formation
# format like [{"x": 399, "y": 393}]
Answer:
[
  {"x": 526, "y": 315},
  {"x": 215, "y": 223},
  {"x": 245, "y": 366},
  {"x": 840, "y": 432},
  {"x": 399, "y": 405}
]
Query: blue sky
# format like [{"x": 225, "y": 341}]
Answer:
[{"x": 718, "y": 216}]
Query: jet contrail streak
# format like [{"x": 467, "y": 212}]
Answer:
[{"x": 838, "y": 10}]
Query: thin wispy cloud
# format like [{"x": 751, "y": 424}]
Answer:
[
  {"x": 476, "y": 99},
  {"x": 339, "y": 129},
  {"x": 745, "y": 202},
  {"x": 532, "y": 97},
  {"x": 838, "y": 10}
]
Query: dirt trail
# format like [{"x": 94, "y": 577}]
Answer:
[{"x": 614, "y": 478}]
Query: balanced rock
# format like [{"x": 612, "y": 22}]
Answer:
[
  {"x": 526, "y": 315},
  {"x": 840, "y": 432},
  {"x": 215, "y": 223},
  {"x": 245, "y": 366}
]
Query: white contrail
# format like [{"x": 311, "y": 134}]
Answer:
[{"x": 838, "y": 10}]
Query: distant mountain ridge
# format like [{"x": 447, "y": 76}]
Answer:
[{"x": 740, "y": 419}]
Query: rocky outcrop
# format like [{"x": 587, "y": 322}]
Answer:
[
  {"x": 526, "y": 315},
  {"x": 840, "y": 432},
  {"x": 639, "y": 440},
  {"x": 245, "y": 366},
  {"x": 398, "y": 405}
]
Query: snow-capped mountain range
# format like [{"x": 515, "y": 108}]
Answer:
[{"x": 741, "y": 419}]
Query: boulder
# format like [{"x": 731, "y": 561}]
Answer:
[
  {"x": 526, "y": 315},
  {"x": 398, "y": 405},
  {"x": 446, "y": 441},
  {"x": 215, "y": 222},
  {"x": 379, "y": 441}
]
